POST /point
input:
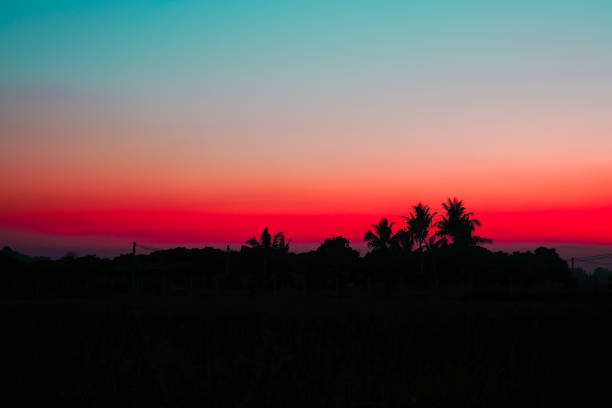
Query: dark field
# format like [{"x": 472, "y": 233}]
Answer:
[{"x": 297, "y": 351}]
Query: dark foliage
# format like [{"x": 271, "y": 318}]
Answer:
[
  {"x": 334, "y": 267},
  {"x": 306, "y": 352}
]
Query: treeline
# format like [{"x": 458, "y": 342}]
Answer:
[
  {"x": 334, "y": 268},
  {"x": 425, "y": 255}
]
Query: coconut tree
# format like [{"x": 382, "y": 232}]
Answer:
[
  {"x": 433, "y": 244},
  {"x": 271, "y": 247},
  {"x": 279, "y": 242},
  {"x": 266, "y": 241},
  {"x": 381, "y": 236},
  {"x": 459, "y": 225},
  {"x": 418, "y": 224}
]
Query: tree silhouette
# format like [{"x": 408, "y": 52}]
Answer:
[
  {"x": 418, "y": 224},
  {"x": 336, "y": 246},
  {"x": 434, "y": 242},
  {"x": 382, "y": 237},
  {"x": 266, "y": 242},
  {"x": 458, "y": 225},
  {"x": 280, "y": 242}
]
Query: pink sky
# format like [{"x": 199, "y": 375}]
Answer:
[{"x": 202, "y": 123}]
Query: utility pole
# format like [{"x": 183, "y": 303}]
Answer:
[{"x": 133, "y": 268}]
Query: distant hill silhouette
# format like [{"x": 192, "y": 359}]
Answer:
[{"x": 10, "y": 253}]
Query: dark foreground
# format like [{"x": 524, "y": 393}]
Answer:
[{"x": 297, "y": 351}]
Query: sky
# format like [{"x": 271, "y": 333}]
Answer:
[{"x": 200, "y": 122}]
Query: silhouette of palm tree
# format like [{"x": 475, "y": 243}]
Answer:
[
  {"x": 280, "y": 242},
  {"x": 418, "y": 224},
  {"x": 434, "y": 242},
  {"x": 382, "y": 237},
  {"x": 458, "y": 225},
  {"x": 266, "y": 241}
]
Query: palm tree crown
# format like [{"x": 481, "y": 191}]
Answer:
[
  {"x": 418, "y": 224},
  {"x": 382, "y": 236},
  {"x": 266, "y": 241},
  {"x": 459, "y": 225}
]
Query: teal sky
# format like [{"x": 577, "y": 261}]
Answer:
[{"x": 161, "y": 45}]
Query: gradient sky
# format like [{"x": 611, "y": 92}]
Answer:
[{"x": 200, "y": 122}]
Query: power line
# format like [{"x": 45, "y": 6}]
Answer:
[
  {"x": 594, "y": 257},
  {"x": 609, "y": 263},
  {"x": 145, "y": 248}
]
